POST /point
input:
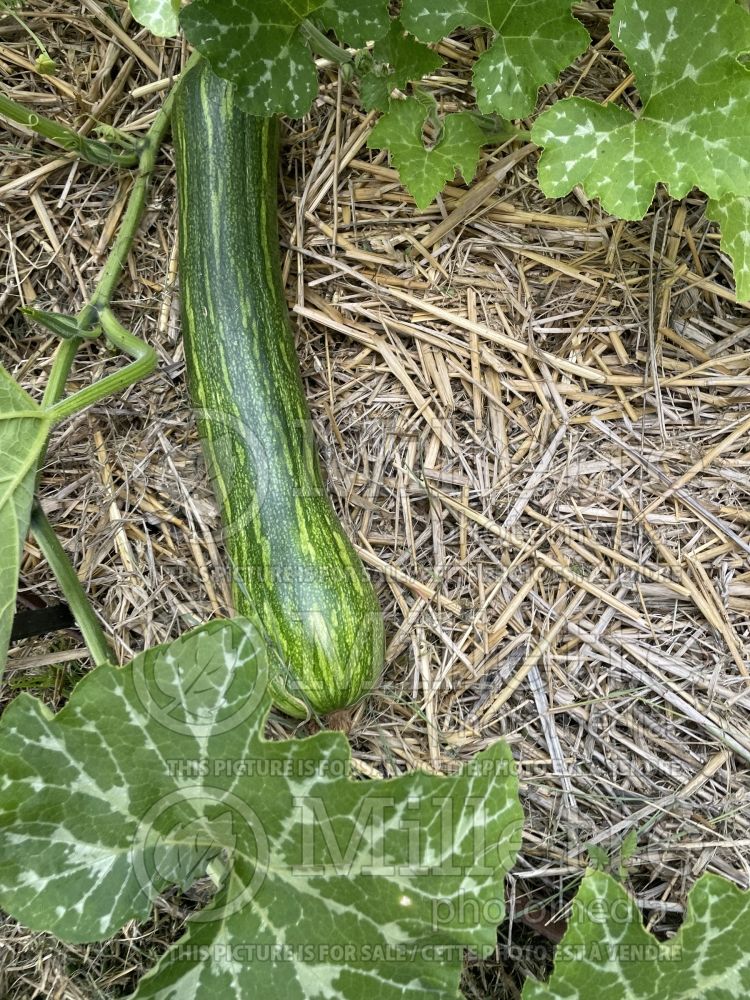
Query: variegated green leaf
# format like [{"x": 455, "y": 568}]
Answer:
[
  {"x": 533, "y": 41},
  {"x": 692, "y": 130},
  {"x": 157, "y": 773},
  {"x": 607, "y": 952},
  {"x": 732, "y": 212},
  {"x": 396, "y": 59},
  {"x": 424, "y": 172},
  {"x": 23, "y": 435},
  {"x": 159, "y": 16},
  {"x": 261, "y": 45}
]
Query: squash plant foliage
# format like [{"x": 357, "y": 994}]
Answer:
[
  {"x": 691, "y": 129},
  {"x": 157, "y": 773},
  {"x": 607, "y": 952},
  {"x": 23, "y": 434},
  {"x": 24, "y": 429}
]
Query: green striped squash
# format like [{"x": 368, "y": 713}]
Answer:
[{"x": 294, "y": 571}]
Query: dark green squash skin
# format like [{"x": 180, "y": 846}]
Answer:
[{"x": 295, "y": 572}]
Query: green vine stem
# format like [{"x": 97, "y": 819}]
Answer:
[
  {"x": 118, "y": 255},
  {"x": 100, "y": 300},
  {"x": 65, "y": 574},
  {"x": 61, "y": 366},
  {"x": 143, "y": 364},
  {"x": 323, "y": 45},
  {"x": 97, "y": 313},
  {"x": 90, "y": 150}
]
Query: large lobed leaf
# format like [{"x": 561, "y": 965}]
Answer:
[
  {"x": 693, "y": 129},
  {"x": 23, "y": 434},
  {"x": 157, "y": 772},
  {"x": 260, "y": 45},
  {"x": 397, "y": 58},
  {"x": 533, "y": 41},
  {"x": 424, "y": 172},
  {"x": 607, "y": 952},
  {"x": 732, "y": 212}
]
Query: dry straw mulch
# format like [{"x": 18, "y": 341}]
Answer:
[{"x": 535, "y": 422}]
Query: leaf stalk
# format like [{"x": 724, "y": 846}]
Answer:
[
  {"x": 322, "y": 44},
  {"x": 66, "y": 576}
]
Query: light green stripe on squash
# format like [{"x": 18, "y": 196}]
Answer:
[{"x": 294, "y": 570}]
